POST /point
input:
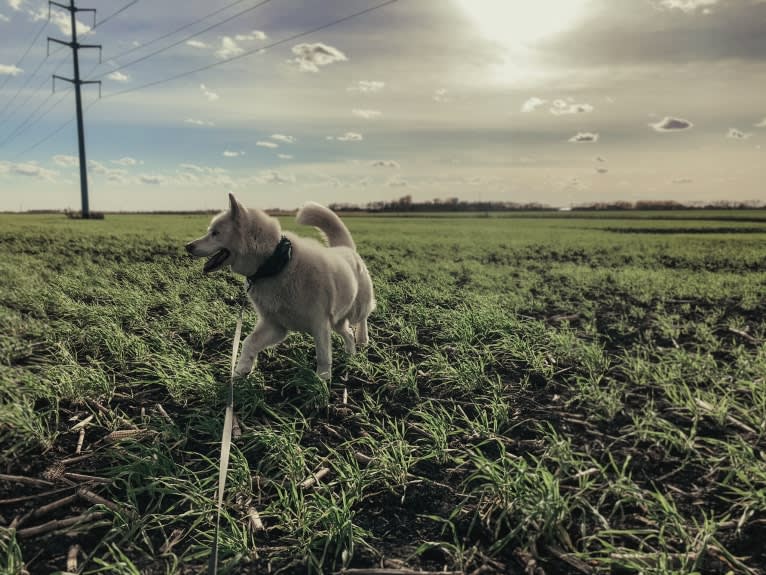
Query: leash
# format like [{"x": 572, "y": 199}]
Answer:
[{"x": 223, "y": 468}]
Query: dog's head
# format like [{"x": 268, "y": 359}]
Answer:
[
  {"x": 221, "y": 239},
  {"x": 232, "y": 234}
]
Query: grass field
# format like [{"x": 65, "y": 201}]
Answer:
[{"x": 540, "y": 395}]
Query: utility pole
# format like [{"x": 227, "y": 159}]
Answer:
[{"x": 73, "y": 10}]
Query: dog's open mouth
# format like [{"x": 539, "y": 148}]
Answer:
[{"x": 216, "y": 261}]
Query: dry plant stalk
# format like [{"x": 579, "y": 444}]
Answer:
[
  {"x": 80, "y": 441},
  {"x": 71, "y": 558},
  {"x": 315, "y": 478},
  {"x": 82, "y": 424},
  {"x": 255, "y": 519}
]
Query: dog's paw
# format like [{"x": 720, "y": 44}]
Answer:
[{"x": 243, "y": 368}]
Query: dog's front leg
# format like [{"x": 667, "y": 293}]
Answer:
[
  {"x": 264, "y": 335},
  {"x": 323, "y": 344}
]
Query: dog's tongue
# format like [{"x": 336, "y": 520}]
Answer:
[{"x": 215, "y": 261}]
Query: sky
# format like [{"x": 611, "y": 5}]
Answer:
[{"x": 561, "y": 102}]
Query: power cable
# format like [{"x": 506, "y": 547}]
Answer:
[
  {"x": 184, "y": 39},
  {"x": 24, "y": 55},
  {"x": 253, "y": 51},
  {"x": 112, "y": 15}
]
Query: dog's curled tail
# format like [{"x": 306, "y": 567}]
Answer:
[{"x": 312, "y": 214}]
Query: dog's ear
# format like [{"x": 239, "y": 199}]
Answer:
[{"x": 235, "y": 208}]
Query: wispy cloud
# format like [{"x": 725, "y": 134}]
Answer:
[
  {"x": 254, "y": 35},
  {"x": 385, "y": 164},
  {"x": 366, "y": 114},
  {"x": 197, "y": 122},
  {"x": 681, "y": 181},
  {"x": 196, "y": 44},
  {"x": 761, "y": 124},
  {"x": 10, "y": 70},
  {"x": 562, "y": 107},
  {"x": 735, "y": 134},
  {"x": 584, "y": 138},
  {"x": 4, "y": 18},
  {"x": 210, "y": 95},
  {"x": 310, "y": 57},
  {"x": 531, "y": 104},
  {"x": 687, "y": 5},
  {"x": 266, "y": 144},
  {"x": 283, "y": 138},
  {"x": 670, "y": 124},
  {"x": 285, "y": 156},
  {"x": 366, "y": 86},
  {"x": 28, "y": 169},
  {"x": 348, "y": 137},
  {"x": 65, "y": 161},
  {"x": 16, "y": 4},
  {"x": 126, "y": 161},
  {"x": 118, "y": 76},
  {"x": 440, "y": 95},
  {"x": 151, "y": 179},
  {"x": 233, "y": 153},
  {"x": 274, "y": 177},
  {"x": 229, "y": 48}
]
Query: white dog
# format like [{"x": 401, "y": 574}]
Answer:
[{"x": 295, "y": 283}]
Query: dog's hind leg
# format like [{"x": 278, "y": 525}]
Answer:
[
  {"x": 264, "y": 335},
  {"x": 360, "y": 332},
  {"x": 324, "y": 352},
  {"x": 344, "y": 329}
]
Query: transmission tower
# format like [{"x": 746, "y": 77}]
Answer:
[{"x": 73, "y": 10}]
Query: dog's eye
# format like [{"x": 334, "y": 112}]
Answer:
[{"x": 214, "y": 233}]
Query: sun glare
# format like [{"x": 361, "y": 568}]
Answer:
[
  {"x": 521, "y": 22},
  {"x": 515, "y": 26}
]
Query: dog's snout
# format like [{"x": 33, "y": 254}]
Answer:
[{"x": 190, "y": 247}]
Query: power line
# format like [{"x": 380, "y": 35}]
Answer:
[
  {"x": 176, "y": 31},
  {"x": 24, "y": 55},
  {"x": 208, "y": 66},
  {"x": 169, "y": 46},
  {"x": 21, "y": 89},
  {"x": 112, "y": 15},
  {"x": 255, "y": 50}
]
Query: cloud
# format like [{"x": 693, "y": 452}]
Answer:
[
  {"x": 366, "y": 86},
  {"x": 285, "y": 156},
  {"x": 196, "y": 44},
  {"x": 196, "y": 122},
  {"x": 233, "y": 153},
  {"x": 151, "y": 179},
  {"x": 229, "y": 48},
  {"x": 600, "y": 159},
  {"x": 397, "y": 182},
  {"x": 736, "y": 134},
  {"x": 602, "y": 170},
  {"x": 4, "y": 18},
  {"x": 28, "y": 169},
  {"x": 309, "y": 57},
  {"x": 669, "y": 124},
  {"x": 384, "y": 164},
  {"x": 562, "y": 107},
  {"x": 254, "y": 35},
  {"x": 761, "y": 124},
  {"x": 532, "y": 104},
  {"x": 283, "y": 138},
  {"x": 274, "y": 177},
  {"x": 15, "y": 4},
  {"x": 212, "y": 96},
  {"x": 687, "y": 5},
  {"x": 6, "y": 70},
  {"x": 440, "y": 95},
  {"x": 584, "y": 138},
  {"x": 65, "y": 161},
  {"x": 118, "y": 76},
  {"x": 349, "y": 137},
  {"x": 126, "y": 161},
  {"x": 266, "y": 144},
  {"x": 192, "y": 168},
  {"x": 366, "y": 114},
  {"x": 60, "y": 19},
  {"x": 681, "y": 181},
  {"x": 118, "y": 176}
]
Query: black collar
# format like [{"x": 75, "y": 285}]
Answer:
[{"x": 275, "y": 263}]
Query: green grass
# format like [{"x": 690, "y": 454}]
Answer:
[{"x": 576, "y": 392}]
